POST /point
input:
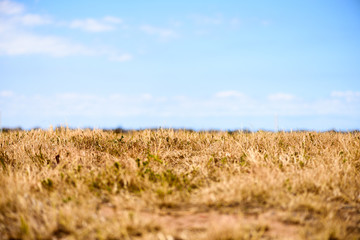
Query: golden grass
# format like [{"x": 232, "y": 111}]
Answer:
[{"x": 167, "y": 184}]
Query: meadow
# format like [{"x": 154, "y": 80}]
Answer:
[{"x": 176, "y": 184}]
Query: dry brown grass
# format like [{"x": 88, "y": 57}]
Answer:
[{"x": 166, "y": 184}]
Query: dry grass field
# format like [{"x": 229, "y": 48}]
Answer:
[{"x": 167, "y": 184}]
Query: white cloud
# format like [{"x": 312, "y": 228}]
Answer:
[
  {"x": 162, "y": 33},
  {"x": 281, "y": 97},
  {"x": 231, "y": 93},
  {"x": 19, "y": 43},
  {"x": 91, "y": 25},
  {"x": 16, "y": 42},
  {"x": 206, "y": 20},
  {"x": 10, "y": 8},
  {"x": 16, "y": 38},
  {"x": 6, "y": 93},
  {"x": 349, "y": 96},
  {"x": 121, "y": 58},
  {"x": 32, "y": 20},
  {"x": 105, "y": 24},
  {"x": 147, "y": 106},
  {"x": 147, "y": 96},
  {"x": 111, "y": 19}
]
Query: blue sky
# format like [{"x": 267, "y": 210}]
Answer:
[{"x": 184, "y": 64}]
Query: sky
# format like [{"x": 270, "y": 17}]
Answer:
[{"x": 287, "y": 65}]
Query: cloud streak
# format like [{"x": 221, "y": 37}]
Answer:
[
  {"x": 220, "y": 104},
  {"x": 23, "y": 43},
  {"x": 10, "y": 8},
  {"x": 17, "y": 36},
  {"x": 95, "y": 26},
  {"x": 206, "y": 20},
  {"x": 6, "y": 94},
  {"x": 31, "y": 20},
  {"x": 162, "y": 33},
  {"x": 349, "y": 96},
  {"x": 121, "y": 57},
  {"x": 226, "y": 109},
  {"x": 281, "y": 97}
]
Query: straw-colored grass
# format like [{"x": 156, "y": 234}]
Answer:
[{"x": 167, "y": 184}]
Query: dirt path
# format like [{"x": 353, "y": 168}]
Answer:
[{"x": 190, "y": 224}]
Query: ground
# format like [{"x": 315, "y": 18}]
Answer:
[{"x": 179, "y": 184}]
